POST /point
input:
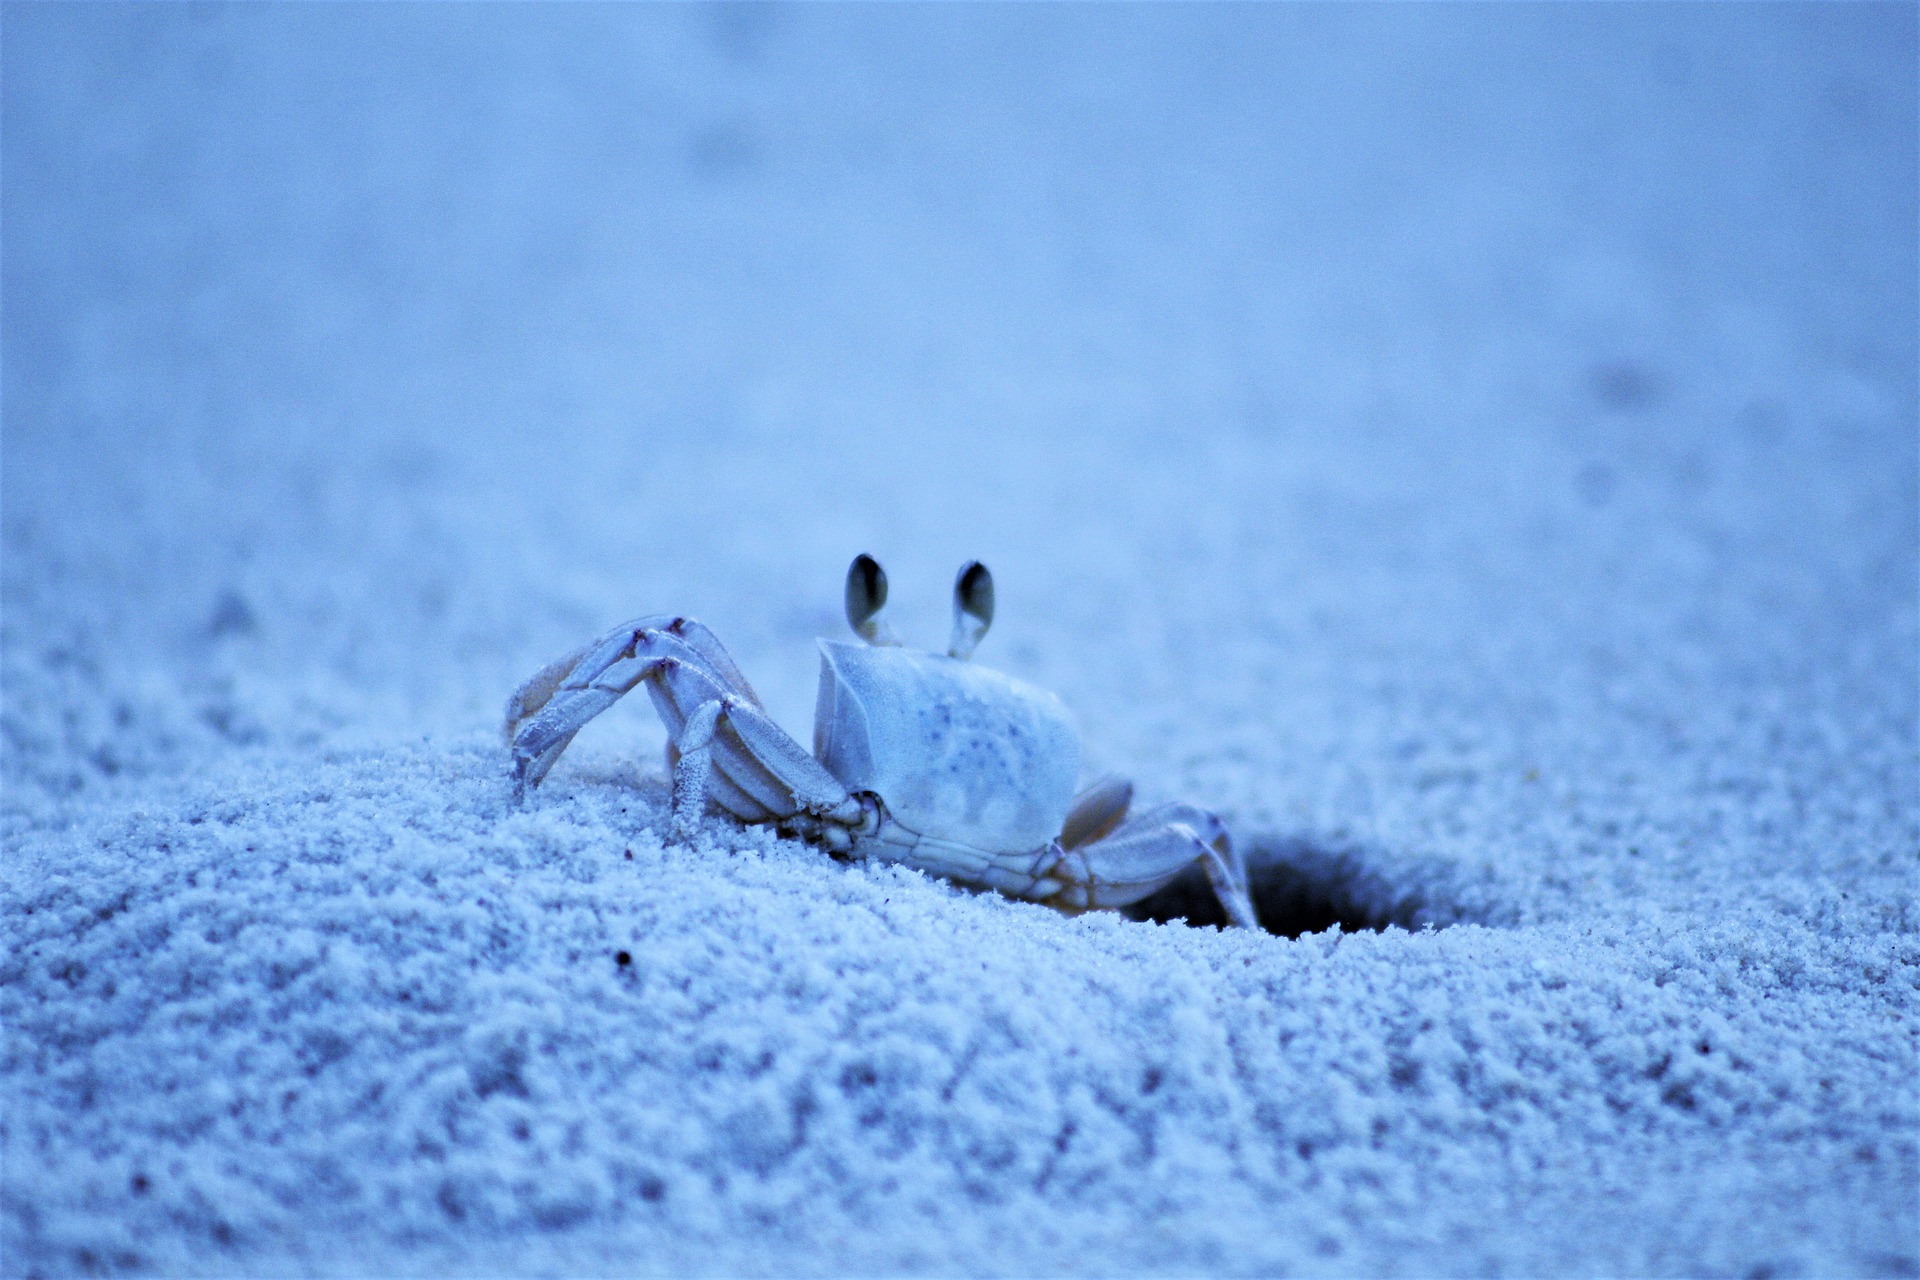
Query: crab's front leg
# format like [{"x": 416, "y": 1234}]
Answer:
[
  {"x": 725, "y": 747},
  {"x": 731, "y": 752},
  {"x": 1116, "y": 863}
]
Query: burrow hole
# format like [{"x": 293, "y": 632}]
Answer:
[{"x": 1302, "y": 886}]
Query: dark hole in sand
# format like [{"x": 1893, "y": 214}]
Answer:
[{"x": 1302, "y": 886}]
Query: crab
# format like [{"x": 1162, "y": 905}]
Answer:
[{"x": 919, "y": 758}]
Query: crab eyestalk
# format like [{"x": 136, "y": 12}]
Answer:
[
  {"x": 866, "y": 597},
  {"x": 972, "y": 609}
]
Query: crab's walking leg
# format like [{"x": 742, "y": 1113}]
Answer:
[
  {"x": 696, "y": 643},
  {"x": 693, "y": 771},
  {"x": 563, "y": 695},
  {"x": 726, "y": 747},
  {"x": 538, "y": 740},
  {"x": 1227, "y": 869},
  {"x": 1145, "y": 853},
  {"x": 539, "y": 688}
]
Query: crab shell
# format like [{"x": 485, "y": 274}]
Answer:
[{"x": 955, "y": 752}]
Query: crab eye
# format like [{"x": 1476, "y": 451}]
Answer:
[
  {"x": 866, "y": 597},
  {"x": 972, "y": 609}
]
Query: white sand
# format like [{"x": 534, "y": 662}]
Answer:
[{"x": 1473, "y": 450}]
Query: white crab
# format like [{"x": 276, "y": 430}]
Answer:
[{"x": 918, "y": 758}]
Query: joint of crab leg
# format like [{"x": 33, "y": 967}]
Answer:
[
  {"x": 857, "y": 815},
  {"x": 538, "y": 690},
  {"x": 866, "y": 597},
  {"x": 972, "y": 609}
]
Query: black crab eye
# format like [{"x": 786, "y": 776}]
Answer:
[
  {"x": 973, "y": 592},
  {"x": 972, "y": 608},
  {"x": 866, "y": 597}
]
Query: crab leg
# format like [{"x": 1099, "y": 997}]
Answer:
[
  {"x": 538, "y": 740},
  {"x": 759, "y": 772},
  {"x": 693, "y": 771},
  {"x": 759, "y": 754},
  {"x": 597, "y": 666},
  {"x": 725, "y": 746},
  {"x": 701, "y": 646},
  {"x": 1144, "y": 854},
  {"x": 1111, "y": 871},
  {"x": 538, "y": 689}
]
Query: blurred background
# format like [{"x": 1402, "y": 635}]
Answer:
[{"x": 1396, "y": 420}]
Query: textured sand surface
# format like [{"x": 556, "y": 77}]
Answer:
[{"x": 1472, "y": 450}]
